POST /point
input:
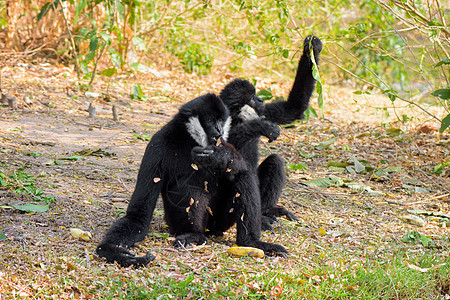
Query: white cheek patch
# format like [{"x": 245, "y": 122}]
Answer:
[
  {"x": 196, "y": 131},
  {"x": 247, "y": 113},
  {"x": 226, "y": 128}
]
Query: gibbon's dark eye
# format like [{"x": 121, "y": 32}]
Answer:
[{"x": 257, "y": 99}]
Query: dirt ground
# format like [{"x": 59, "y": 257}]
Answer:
[{"x": 46, "y": 136}]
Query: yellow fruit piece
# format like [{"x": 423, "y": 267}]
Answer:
[
  {"x": 243, "y": 251},
  {"x": 412, "y": 219},
  {"x": 81, "y": 234}
]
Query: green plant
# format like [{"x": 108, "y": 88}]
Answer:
[
  {"x": 138, "y": 94},
  {"x": 23, "y": 183},
  {"x": 415, "y": 237}
]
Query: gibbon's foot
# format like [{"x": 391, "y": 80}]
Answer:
[
  {"x": 123, "y": 257},
  {"x": 266, "y": 224},
  {"x": 185, "y": 239},
  {"x": 276, "y": 212},
  {"x": 316, "y": 44},
  {"x": 214, "y": 232},
  {"x": 268, "y": 248}
]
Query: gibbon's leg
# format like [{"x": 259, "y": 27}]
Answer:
[
  {"x": 272, "y": 177},
  {"x": 185, "y": 207},
  {"x": 247, "y": 213}
]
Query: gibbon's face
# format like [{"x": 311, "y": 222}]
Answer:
[
  {"x": 210, "y": 121},
  {"x": 216, "y": 128},
  {"x": 253, "y": 109},
  {"x": 206, "y": 130},
  {"x": 240, "y": 98}
]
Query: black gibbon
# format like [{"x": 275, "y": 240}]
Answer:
[
  {"x": 251, "y": 119},
  {"x": 188, "y": 194}
]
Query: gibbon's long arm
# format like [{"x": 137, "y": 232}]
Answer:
[
  {"x": 284, "y": 112},
  {"x": 134, "y": 226}
]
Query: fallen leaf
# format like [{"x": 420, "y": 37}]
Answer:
[
  {"x": 209, "y": 210},
  {"x": 326, "y": 144},
  {"x": 326, "y": 182},
  {"x": 322, "y": 231},
  {"x": 70, "y": 267},
  {"x": 32, "y": 208}
]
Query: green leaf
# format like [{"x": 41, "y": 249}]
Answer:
[
  {"x": 106, "y": 37},
  {"x": 394, "y": 132},
  {"x": 326, "y": 144},
  {"x": 32, "y": 208},
  {"x": 411, "y": 236},
  {"x": 298, "y": 166},
  {"x": 316, "y": 76},
  {"x": 445, "y": 123},
  {"x": 2, "y": 236},
  {"x": 325, "y": 182},
  {"x": 78, "y": 9},
  {"x": 445, "y": 61},
  {"x": 74, "y": 157},
  {"x": 361, "y": 92},
  {"x": 143, "y": 137},
  {"x": 93, "y": 44},
  {"x": 265, "y": 94},
  {"x": 84, "y": 67},
  {"x": 380, "y": 173},
  {"x": 426, "y": 241},
  {"x": 442, "y": 93},
  {"x": 437, "y": 169},
  {"x": 109, "y": 72},
  {"x": 139, "y": 67},
  {"x": 337, "y": 164},
  {"x": 391, "y": 95},
  {"x": 139, "y": 43},
  {"x": 393, "y": 169},
  {"x": 45, "y": 9}
]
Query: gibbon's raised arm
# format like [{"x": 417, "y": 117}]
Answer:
[{"x": 285, "y": 112}]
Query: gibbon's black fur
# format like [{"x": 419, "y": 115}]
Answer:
[
  {"x": 189, "y": 195},
  {"x": 251, "y": 119},
  {"x": 237, "y": 199},
  {"x": 166, "y": 169}
]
